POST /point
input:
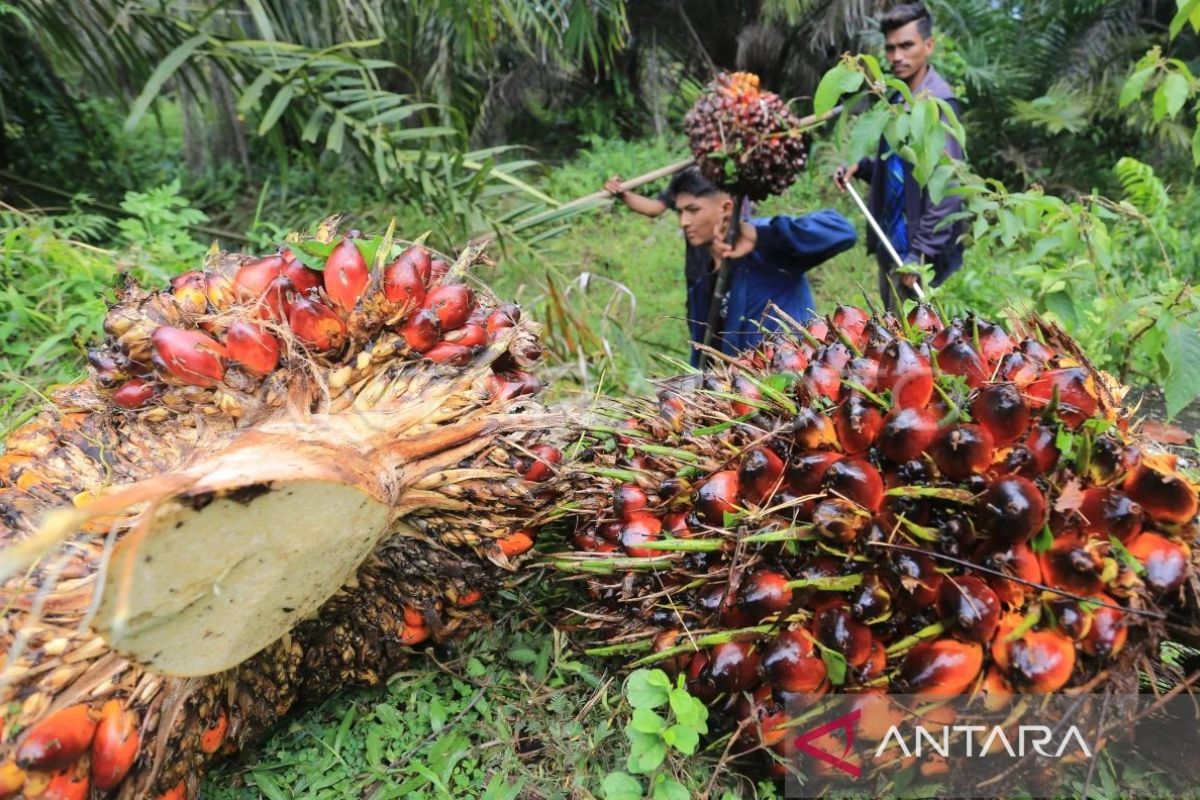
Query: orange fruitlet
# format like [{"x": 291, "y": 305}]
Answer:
[
  {"x": 214, "y": 736},
  {"x": 115, "y": 745},
  {"x": 57, "y": 740}
]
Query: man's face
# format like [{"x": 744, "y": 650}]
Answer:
[
  {"x": 700, "y": 217},
  {"x": 907, "y": 51}
]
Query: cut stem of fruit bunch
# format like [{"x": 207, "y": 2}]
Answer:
[
  {"x": 281, "y": 475},
  {"x": 873, "y": 504}
]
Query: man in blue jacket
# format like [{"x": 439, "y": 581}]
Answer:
[
  {"x": 912, "y": 222},
  {"x": 768, "y": 261}
]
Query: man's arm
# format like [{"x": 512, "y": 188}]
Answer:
[
  {"x": 807, "y": 241},
  {"x": 638, "y": 203},
  {"x": 930, "y": 239}
]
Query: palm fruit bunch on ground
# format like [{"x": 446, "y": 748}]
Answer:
[
  {"x": 882, "y": 505},
  {"x": 744, "y": 138},
  {"x": 281, "y": 475}
]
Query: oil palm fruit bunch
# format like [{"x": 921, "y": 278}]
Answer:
[
  {"x": 875, "y": 504},
  {"x": 282, "y": 474},
  {"x": 744, "y": 138}
]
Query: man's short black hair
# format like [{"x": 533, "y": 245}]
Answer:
[
  {"x": 901, "y": 15},
  {"x": 690, "y": 181}
]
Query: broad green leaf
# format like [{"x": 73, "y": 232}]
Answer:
[
  {"x": 645, "y": 690},
  {"x": 872, "y": 65},
  {"x": 1196, "y": 144},
  {"x": 253, "y": 93},
  {"x": 1062, "y": 306},
  {"x": 868, "y": 129},
  {"x": 829, "y": 90},
  {"x": 835, "y": 665},
  {"x": 647, "y": 751},
  {"x": 1189, "y": 11},
  {"x": 336, "y": 135},
  {"x": 669, "y": 789},
  {"x": 683, "y": 738},
  {"x": 1176, "y": 89},
  {"x": 647, "y": 721},
  {"x": 1135, "y": 85},
  {"x": 621, "y": 786},
  {"x": 689, "y": 710},
  {"x": 1182, "y": 351},
  {"x": 937, "y": 182},
  {"x": 278, "y": 105},
  {"x": 261, "y": 20},
  {"x": 165, "y": 69}
]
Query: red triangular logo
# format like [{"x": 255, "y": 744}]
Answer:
[{"x": 845, "y": 722}]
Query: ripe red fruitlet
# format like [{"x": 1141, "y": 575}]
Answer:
[
  {"x": 942, "y": 668},
  {"x": 857, "y": 481},
  {"x": 214, "y": 735},
  {"x": 346, "y": 274},
  {"x": 834, "y": 355},
  {"x": 1076, "y": 393},
  {"x": 838, "y": 630},
  {"x": 863, "y": 371},
  {"x": 57, "y": 740},
  {"x": 959, "y": 358},
  {"x": 505, "y": 386},
  {"x": 919, "y": 577},
  {"x": 516, "y": 543},
  {"x": 134, "y": 393},
  {"x": 872, "y": 599},
  {"x": 907, "y": 432},
  {"x": 69, "y": 784},
  {"x": 852, "y": 322},
  {"x": 760, "y": 474},
  {"x": 1040, "y": 661},
  {"x": 114, "y": 746},
  {"x": 1012, "y": 509},
  {"x": 303, "y": 279},
  {"x": 641, "y": 527},
  {"x": 422, "y": 331},
  {"x": 962, "y": 450},
  {"x": 969, "y": 605},
  {"x": 840, "y": 520},
  {"x": 875, "y": 665},
  {"x": 907, "y": 374},
  {"x": 925, "y": 319},
  {"x": 452, "y": 304},
  {"x": 506, "y": 315},
  {"x": 188, "y": 356},
  {"x": 788, "y": 359},
  {"x": 806, "y": 471},
  {"x": 790, "y": 663},
  {"x": 421, "y": 261},
  {"x": 1070, "y": 617},
  {"x": 1040, "y": 444},
  {"x": 1017, "y": 560},
  {"x": 276, "y": 300},
  {"x": 1166, "y": 562},
  {"x": 1109, "y": 512},
  {"x": 857, "y": 422},
  {"x": 316, "y": 324},
  {"x": 402, "y": 282},
  {"x": 545, "y": 458},
  {"x": 763, "y": 593},
  {"x": 821, "y": 380},
  {"x": 994, "y": 342},
  {"x": 1018, "y": 370},
  {"x": 437, "y": 270},
  {"x": 732, "y": 667},
  {"x": 628, "y": 500},
  {"x": 252, "y": 347},
  {"x": 1002, "y": 411},
  {"x": 812, "y": 430},
  {"x": 1108, "y": 630},
  {"x": 449, "y": 353},
  {"x": 252, "y": 278},
  {"x": 698, "y": 683},
  {"x": 470, "y": 335},
  {"x": 1161, "y": 492},
  {"x": 717, "y": 496}
]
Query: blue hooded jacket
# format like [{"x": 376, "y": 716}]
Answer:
[{"x": 772, "y": 273}]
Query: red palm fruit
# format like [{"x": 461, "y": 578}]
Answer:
[
  {"x": 411, "y": 636},
  {"x": 834, "y": 355},
  {"x": 1109, "y": 512},
  {"x": 838, "y": 630},
  {"x": 806, "y": 471},
  {"x": 114, "y": 746},
  {"x": 1002, "y": 411},
  {"x": 717, "y": 496},
  {"x": 875, "y": 665},
  {"x": 402, "y": 282},
  {"x": 506, "y": 315},
  {"x": 422, "y": 330},
  {"x": 176, "y": 792},
  {"x": 1039, "y": 661},
  {"x": 959, "y": 358},
  {"x": 907, "y": 432},
  {"x": 969, "y": 605},
  {"x": 863, "y": 371},
  {"x": 812, "y": 430},
  {"x": 878, "y": 337},
  {"x": 506, "y": 386},
  {"x": 919, "y": 577},
  {"x": 1012, "y": 509},
  {"x": 421, "y": 261},
  {"x": 907, "y": 374},
  {"x": 641, "y": 527},
  {"x": 611, "y": 531},
  {"x": 12, "y": 778},
  {"x": 251, "y": 346},
  {"x": 1041, "y": 445},
  {"x": 220, "y": 291},
  {"x": 1018, "y": 370},
  {"x": 188, "y": 289},
  {"x": 744, "y": 388},
  {"x": 1162, "y": 493},
  {"x": 346, "y": 274},
  {"x": 449, "y": 353},
  {"x": 470, "y": 335},
  {"x": 941, "y": 668},
  {"x": 857, "y": 481},
  {"x": 676, "y": 523},
  {"x": 437, "y": 271},
  {"x": 671, "y": 410},
  {"x": 539, "y": 468},
  {"x": 1076, "y": 389},
  {"x": 788, "y": 359},
  {"x": 134, "y": 393},
  {"x": 252, "y": 278},
  {"x": 585, "y": 541},
  {"x": 820, "y": 380},
  {"x": 994, "y": 342},
  {"x": 452, "y": 304},
  {"x": 733, "y": 667},
  {"x": 1166, "y": 562},
  {"x": 303, "y": 279},
  {"x": 1108, "y": 631},
  {"x": 1070, "y": 617},
  {"x": 962, "y": 451},
  {"x": 790, "y": 663},
  {"x": 68, "y": 784},
  {"x": 699, "y": 683},
  {"x": 840, "y": 520},
  {"x": 188, "y": 356},
  {"x": 817, "y": 328},
  {"x": 628, "y": 500},
  {"x": 857, "y": 423},
  {"x": 925, "y": 319},
  {"x": 952, "y": 333},
  {"x": 57, "y": 740},
  {"x": 515, "y": 543},
  {"x": 871, "y": 600},
  {"x": 763, "y": 593},
  {"x": 852, "y": 322},
  {"x": 762, "y": 716},
  {"x": 213, "y": 736},
  {"x": 276, "y": 300},
  {"x": 316, "y": 324},
  {"x": 1037, "y": 351},
  {"x": 1017, "y": 560},
  {"x": 760, "y": 474}
]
